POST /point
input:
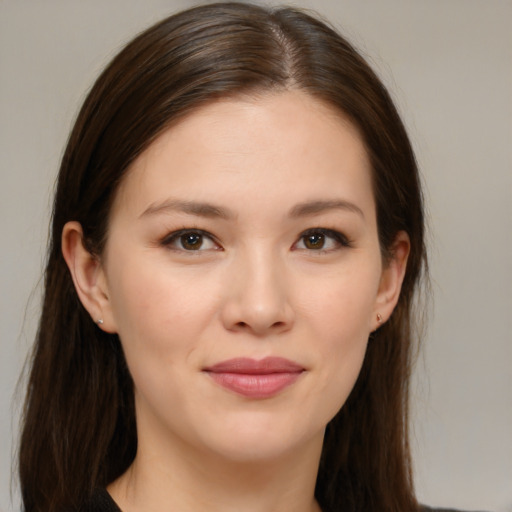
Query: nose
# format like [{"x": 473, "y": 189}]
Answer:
[{"x": 257, "y": 297}]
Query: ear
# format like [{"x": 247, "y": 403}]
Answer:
[
  {"x": 88, "y": 276},
  {"x": 391, "y": 280}
]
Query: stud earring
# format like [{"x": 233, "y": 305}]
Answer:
[
  {"x": 99, "y": 321},
  {"x": 379, "y": 318}
]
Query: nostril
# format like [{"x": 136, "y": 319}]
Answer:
[
  {"x": 254, "y": 317},
  {"x": 276, "y": 326}
]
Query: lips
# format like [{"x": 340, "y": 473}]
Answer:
[{"x": 255, "y": 378}]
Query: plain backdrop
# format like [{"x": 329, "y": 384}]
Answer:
[{"x": 448, "y": 64}]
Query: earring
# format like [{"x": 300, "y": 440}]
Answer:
[
  {"x": 379, "y": 318},
  {"x": 99, "y": 321}
]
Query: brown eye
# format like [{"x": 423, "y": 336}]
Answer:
[
  {"x": 191, "y": 241},
  {"x": 322, "y": 240},
  {"x": 314, "y": 241}
]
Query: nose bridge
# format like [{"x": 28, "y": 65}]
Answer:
[{"x": 258, "y": 296}]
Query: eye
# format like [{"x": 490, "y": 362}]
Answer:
[
  {"x": 190, "y": 240},
  {"x": 321, "y": 239}
]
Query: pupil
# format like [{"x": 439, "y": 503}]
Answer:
[
  {"x": 191, "y": 241},
  {"x": 315, "y": 241}
]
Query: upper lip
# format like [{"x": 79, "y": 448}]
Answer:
[{"x": 248, "y": 366}]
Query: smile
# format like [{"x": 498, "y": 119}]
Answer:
[{"x": 255, "y": 379}]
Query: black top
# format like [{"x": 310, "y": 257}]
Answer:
[{"x": 101, "y": 501}]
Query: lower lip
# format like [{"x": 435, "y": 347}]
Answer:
[{"x": 255, "y": 385}]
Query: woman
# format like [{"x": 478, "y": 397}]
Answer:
[{"x": 237, "y": 239}]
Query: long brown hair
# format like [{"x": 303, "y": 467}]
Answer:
[{"x": 79, "y": 428}]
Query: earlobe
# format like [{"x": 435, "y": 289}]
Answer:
[
  {"x": 391, "y": 279},
  {"x": 88, "y": 276}
]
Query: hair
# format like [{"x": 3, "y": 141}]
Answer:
[{"x": 79, "y": 430}]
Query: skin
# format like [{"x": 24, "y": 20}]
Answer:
[{"x": 269, "y": 168}]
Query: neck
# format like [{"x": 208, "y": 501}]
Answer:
[{"x": 179, "y": 478}]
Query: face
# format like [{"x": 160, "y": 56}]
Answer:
[{"x": 243, "y": 275}]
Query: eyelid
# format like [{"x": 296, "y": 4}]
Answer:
[
  {"x": 341, "y": 239},
  {"x": 170, "y": 238}
]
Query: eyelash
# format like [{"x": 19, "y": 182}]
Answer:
[
  {"x": 175, "y": 236},
  {"x": 339, "y": 238}
]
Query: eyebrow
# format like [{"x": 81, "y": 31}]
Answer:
[
  {"x": 321, "y": 206},
  {"x": 212, "y": 211},
  {"x": 189, "y": 207}
]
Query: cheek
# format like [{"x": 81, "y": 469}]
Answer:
[
  {"x": 159, "y": 318},
  {"x": 162, "y": 314},
  {"x": 342, "y": 348},
  {"x": 342, "y": 356},
  {"x": 341, "y": 305},
  {"x": 156, "y": 311},
  {"x": 340, "y": 315}
]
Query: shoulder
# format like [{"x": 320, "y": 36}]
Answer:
[
  {"x": 424, "y": 508},
  {"x": 100, "y": 501}
]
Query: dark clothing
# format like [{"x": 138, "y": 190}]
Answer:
[{"x": 102, "y": 502}]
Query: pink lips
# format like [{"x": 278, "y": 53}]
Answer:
[{"x": 253, "y": 378}]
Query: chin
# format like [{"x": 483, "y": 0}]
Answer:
[{"x": 253, "y": 440}]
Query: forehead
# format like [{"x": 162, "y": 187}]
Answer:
[{"x": 286, "y": 141}]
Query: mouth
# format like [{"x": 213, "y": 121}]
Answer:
[{"x": 255, "y": 378}]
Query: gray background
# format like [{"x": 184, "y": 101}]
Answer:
[{"x": 449, "y": 66}]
